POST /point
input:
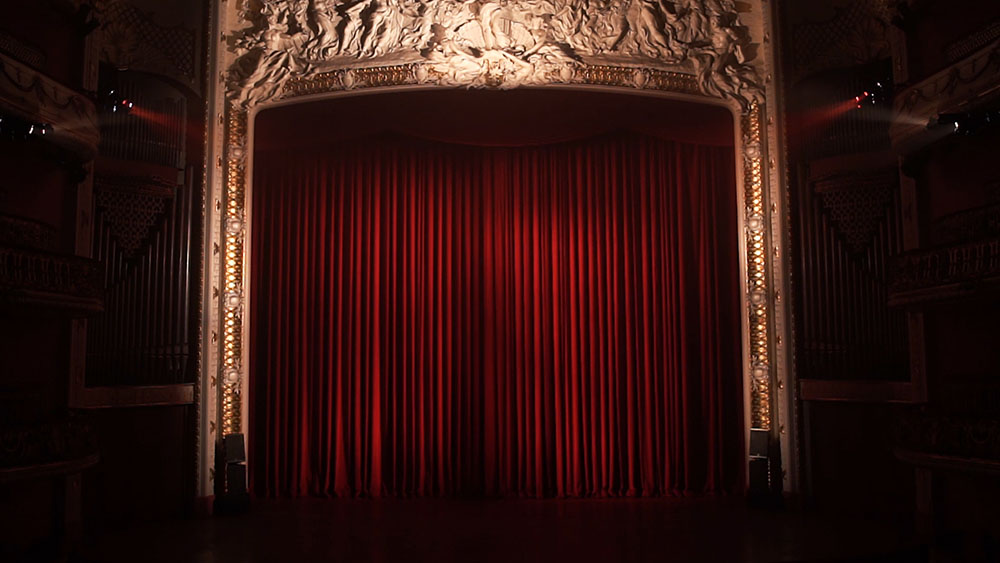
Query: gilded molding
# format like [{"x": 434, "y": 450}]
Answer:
[
  {"x": 233, "y": 233},
  {"x": 758, "y": 259},
  {"x": 270, "y": 67},
  {"x": 422, "y": 74},
  {"x": 495, "y": 44},
  {"x": 757, "y": 266}
]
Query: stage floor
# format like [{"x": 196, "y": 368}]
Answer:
[{"x": 443, "y": 530}]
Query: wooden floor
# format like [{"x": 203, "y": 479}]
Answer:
[{"x": 438, "y": 530}]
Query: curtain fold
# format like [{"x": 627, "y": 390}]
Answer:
[{"x": 435, "y": 319}]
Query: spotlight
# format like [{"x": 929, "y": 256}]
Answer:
[
  {"x": 968, "y": 123},
  {"x": 876, "y": 94},
  {"x": 17, "y": 129},
  {"x": 114, "y": 103}
]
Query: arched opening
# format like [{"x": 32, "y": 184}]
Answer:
[{"x": 485, "y": 293}]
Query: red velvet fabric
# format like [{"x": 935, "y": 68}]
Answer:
[{"x": 436, "y": 319}]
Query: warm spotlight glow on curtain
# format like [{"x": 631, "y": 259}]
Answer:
[{"x": 436, "y": 319}]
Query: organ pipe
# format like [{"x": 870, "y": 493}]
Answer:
[
  {"x": 144, "y": 234},
  {"x": 847, "y": 328}
]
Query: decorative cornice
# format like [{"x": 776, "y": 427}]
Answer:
[
  {"x": 36, "y": 97},
  {"x": 26, "y": 449},
  {"x": 972, "y": 80},
  {"x": 955, "y": 272},
  {"x": 26, "y": 233},
  {"x": 421, "y": 73},
  {"x": 969, "y": 225},
  {"x": 939, "y": 433},
  {"x": 20, "y": 51},
  {"x": 499, "y": 44},
  {"x": 30, "y": 279}
]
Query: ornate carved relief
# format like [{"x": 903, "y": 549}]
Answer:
[
  {"x": 39, "y": 98},
  {"x": 26, "y": 233},
  {"x": 132, "y": 39},
  {"x": 973, "y": 78},
  {"x": 966, "y": 46},
  {"x": 931, "y": 432},
  {"x": 944, "y": 274},
  {"x": 20, "y": 51},
  {"x": 310, "y": 47},
  {"x": 35, "y": 278},
  {"x": 502, "y": 43},
  {"x": 973, "y": 224},
  {"x": 416, "y": 73},
  {"x": 47, "y": 442}
]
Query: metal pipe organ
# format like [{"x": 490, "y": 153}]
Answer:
[
  {"x": 849, "y": 230},
  {"x": 847, "y": 227},
  {"x": 145, "y": 196}
]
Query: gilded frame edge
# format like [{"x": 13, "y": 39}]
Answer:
[{"x": 229, "y": 216}]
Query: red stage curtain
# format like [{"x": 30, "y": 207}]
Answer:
[{"x": 434, "y": 319}]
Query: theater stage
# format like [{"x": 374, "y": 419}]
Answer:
[{"x": 444, "y": 530}]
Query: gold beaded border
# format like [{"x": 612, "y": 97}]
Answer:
[
  {"x": 757, "y": 266},
  {"x": 234, "y": 238}
]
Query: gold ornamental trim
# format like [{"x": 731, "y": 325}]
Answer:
[
  {"x": 234, "y": 239},
  {"x": 757, "y": 268}
]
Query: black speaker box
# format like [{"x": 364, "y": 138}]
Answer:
[
  {"x": 233, "y": 448},
  {"x": 236, "y": 478}
]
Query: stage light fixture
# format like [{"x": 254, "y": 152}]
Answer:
[
  {"x": 16, "y": 129},
  {"x": 874, "y": 95},
  {"x": 115, "y": 103},
  {"x": 967, "y": 123}
]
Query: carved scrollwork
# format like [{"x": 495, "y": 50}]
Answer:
[
  {"x": 952, "y": 272},
  {"x": 932, "y": 432},
  {"x": 26, "y": 233},
  {"x": 972, "y": 78},
  {"x": 32, "y": 95},
  {"x": 45, "y": 442},
  {"x": 499, "y": 43},
  {"x": 37, "y": 278}
]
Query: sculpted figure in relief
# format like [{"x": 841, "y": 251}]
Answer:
[
  {"x": 502, "y": 43},
  {"x": 278, "y": 60}
]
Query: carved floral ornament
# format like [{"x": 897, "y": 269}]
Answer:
[
  {"x": 301, "y": 47},
  {"x": 499, "y": 43}
]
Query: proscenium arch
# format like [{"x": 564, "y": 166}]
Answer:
[{"x": 222, "y": 393}]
